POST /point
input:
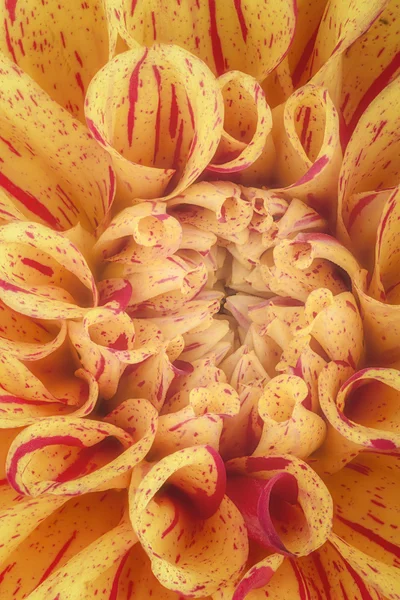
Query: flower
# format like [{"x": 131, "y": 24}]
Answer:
[{"x": 199, "y": 310}]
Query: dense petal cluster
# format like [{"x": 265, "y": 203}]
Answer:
[{"x": 199, "y": 300}]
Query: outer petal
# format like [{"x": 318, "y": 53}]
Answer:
[
  {"x": 97, "y": 567},
  {"x": 54, "y": 45},
  {"x": 385, "y": 279},
  {"x": 78, "y": 462},
  {"x": 366, "y": 519},
  {"x": 183, "y": 544},
  {"x": 369, "y": 163},
  {"x": 252, "y": 37},
  {"x": 370, "y": 64},
  {"x": 376, "y": 573},
  {"x": 341, "y": 24},
  {"x": 59, "y": 178},
  {"x": 40, "y": 338},
  {"x": 145, "y": 108},
  {"x": 57, "y": 539},
  {"x": 323, "y": 574}
]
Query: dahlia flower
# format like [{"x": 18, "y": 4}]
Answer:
[{"x": 199, "y": 300}]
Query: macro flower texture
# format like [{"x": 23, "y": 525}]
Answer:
[{"x": 199, "y": 299}]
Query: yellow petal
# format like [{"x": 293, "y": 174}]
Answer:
[
  {"x": 48, "y": 274},
  {"x": 57, "y": 539},
  {"x": 145, "y": 108},
  {"x": 247, "y": 125},
  {"x": 245, "y": 35},
  {"x": 369, "y": 163},
  {"x": 105, "y": 342},
  {"x": 375, "y": 58},
  {"x": 59, "y": 178},
  {"x": 155, "y": 235},
  {"x": 366, "y": 518},
  {"x": 25, "y": 398},
  {"x": 75, "y": 460},
  {"x": 290, "y": 427},
  {"x": 306, "y": 134},
  {"x": 180, "y": 543},
  {"x": 60, "y": 46}
]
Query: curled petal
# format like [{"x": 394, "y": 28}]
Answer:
[
  {"x": 258, "y": 576},
  {"x": 305, "y": 264},
  {"x": 199, "y": 423},
  {"x": 150, "y": 379},
  {"x": 285, "y": 504},
  {"x": 194, "y": 313},
  {"x": 146, "y": 109},
  {"x": 164, "y": 285},
  {"x": 140, "y": 234},
  {"x": 300, "y": 359},
  {"x": 247, "y": 125},
  {"x": 306, "y": 133},
  {"x": 105, "y": 342},
  {"x": 47, "y": 277},
  {"x": 217, "y": 207},
  {"x": 290, "y": 427},
  {"x": 78, "y": 461},
  {"x": 335, "y": 323},
  {"x": 181, "y": 535},
  {"x": 357, "y": 422}
]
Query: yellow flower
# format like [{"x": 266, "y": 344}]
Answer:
[{"x": 199, "y": 300}]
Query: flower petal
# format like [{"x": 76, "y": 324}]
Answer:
[
  {"x": 290, "y": 427},
  {"x": 60, "y": 178},
  {"x": 288, "y": 506},
  {"x": 306, "y": 134},
  {"x": 145, "y": 108},
  {"x": 54, "y": 45},
  {"x": 182, "y": 544},
  {"x": 76, "y": 460},
  {"x": 247, "y": 125},
  {"x": 249, "y": 36},
  {"x": 45, "y": 274},
  {"x": 65, "y": 532}
]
